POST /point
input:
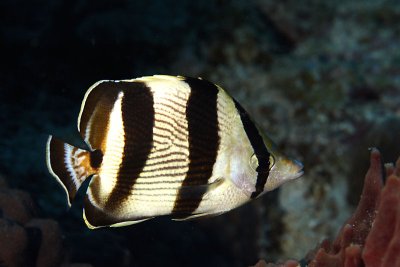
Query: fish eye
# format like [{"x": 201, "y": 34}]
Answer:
[
  {"x": 254, "y": 162},
  {"x": 271, "y": 162}
]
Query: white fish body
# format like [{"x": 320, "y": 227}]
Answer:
[{"x": 165, "y": 145}]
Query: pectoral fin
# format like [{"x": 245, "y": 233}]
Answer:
[{"x": 192, "y": 195}]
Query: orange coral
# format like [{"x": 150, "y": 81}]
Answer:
[
  {"x": 382, "y": 247},
  {"x": 371, "y": 237},
  {"x": 346, "y": 249},
  {"x": 25, "y": 240}
]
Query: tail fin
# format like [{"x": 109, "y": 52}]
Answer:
[{"x": 70, "y": 165}]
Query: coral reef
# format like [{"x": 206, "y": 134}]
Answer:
[
  {"x": 321, "y": 77},
  {"x": 382, "y": 246},
  {"x": 26, "y": 240},
  {"x": 371, "y": 237}
]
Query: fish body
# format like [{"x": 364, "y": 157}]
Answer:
[{"x": 165, "y": 145}]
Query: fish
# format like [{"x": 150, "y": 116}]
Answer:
[{"x": 165, "y": 146}]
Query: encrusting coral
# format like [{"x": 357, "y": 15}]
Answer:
[
  {"x": 382, "y": 246},
  {"x": 26, "y": 240},
  {"x": 371, "y": 237}
]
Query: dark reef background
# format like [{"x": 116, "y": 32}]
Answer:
[{"x": 322, "y": 78}]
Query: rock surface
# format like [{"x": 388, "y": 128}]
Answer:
[{"x": 370, "y": 237}]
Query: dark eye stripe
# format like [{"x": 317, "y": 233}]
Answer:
[{"x": 259, "y": 147}]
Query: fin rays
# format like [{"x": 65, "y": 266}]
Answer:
[{"x": 68, "y": 164}]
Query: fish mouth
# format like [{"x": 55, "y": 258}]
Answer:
[
  {"x": 296, "y": 175},
  {"x": 296, "y": 169},
  {"x": 283, "y": 171}
]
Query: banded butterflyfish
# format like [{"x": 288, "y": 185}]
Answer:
[{"x": 165, "y": 145}]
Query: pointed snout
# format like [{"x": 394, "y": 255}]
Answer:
[
  {"x": 294, "y": 168},
  {"x": 284, "y": 170}
]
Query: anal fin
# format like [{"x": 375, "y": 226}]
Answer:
[
  {"x": 97, "y": 214},
  {"x": 196, "y": 216},
  {"x": 96, "y": 217}
]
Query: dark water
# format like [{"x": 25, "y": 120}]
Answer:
[{"x": 52, "y": 51}]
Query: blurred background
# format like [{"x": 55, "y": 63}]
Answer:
[{"x": 322, "y": 78}]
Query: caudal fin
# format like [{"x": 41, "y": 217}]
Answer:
[{"x": 70, "y": 165}]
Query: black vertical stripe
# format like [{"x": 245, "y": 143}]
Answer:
[
  {"x": 202, "y": 118},
  {"x": 138, "y": 120},
  {"x": 259, "y": 147}
]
